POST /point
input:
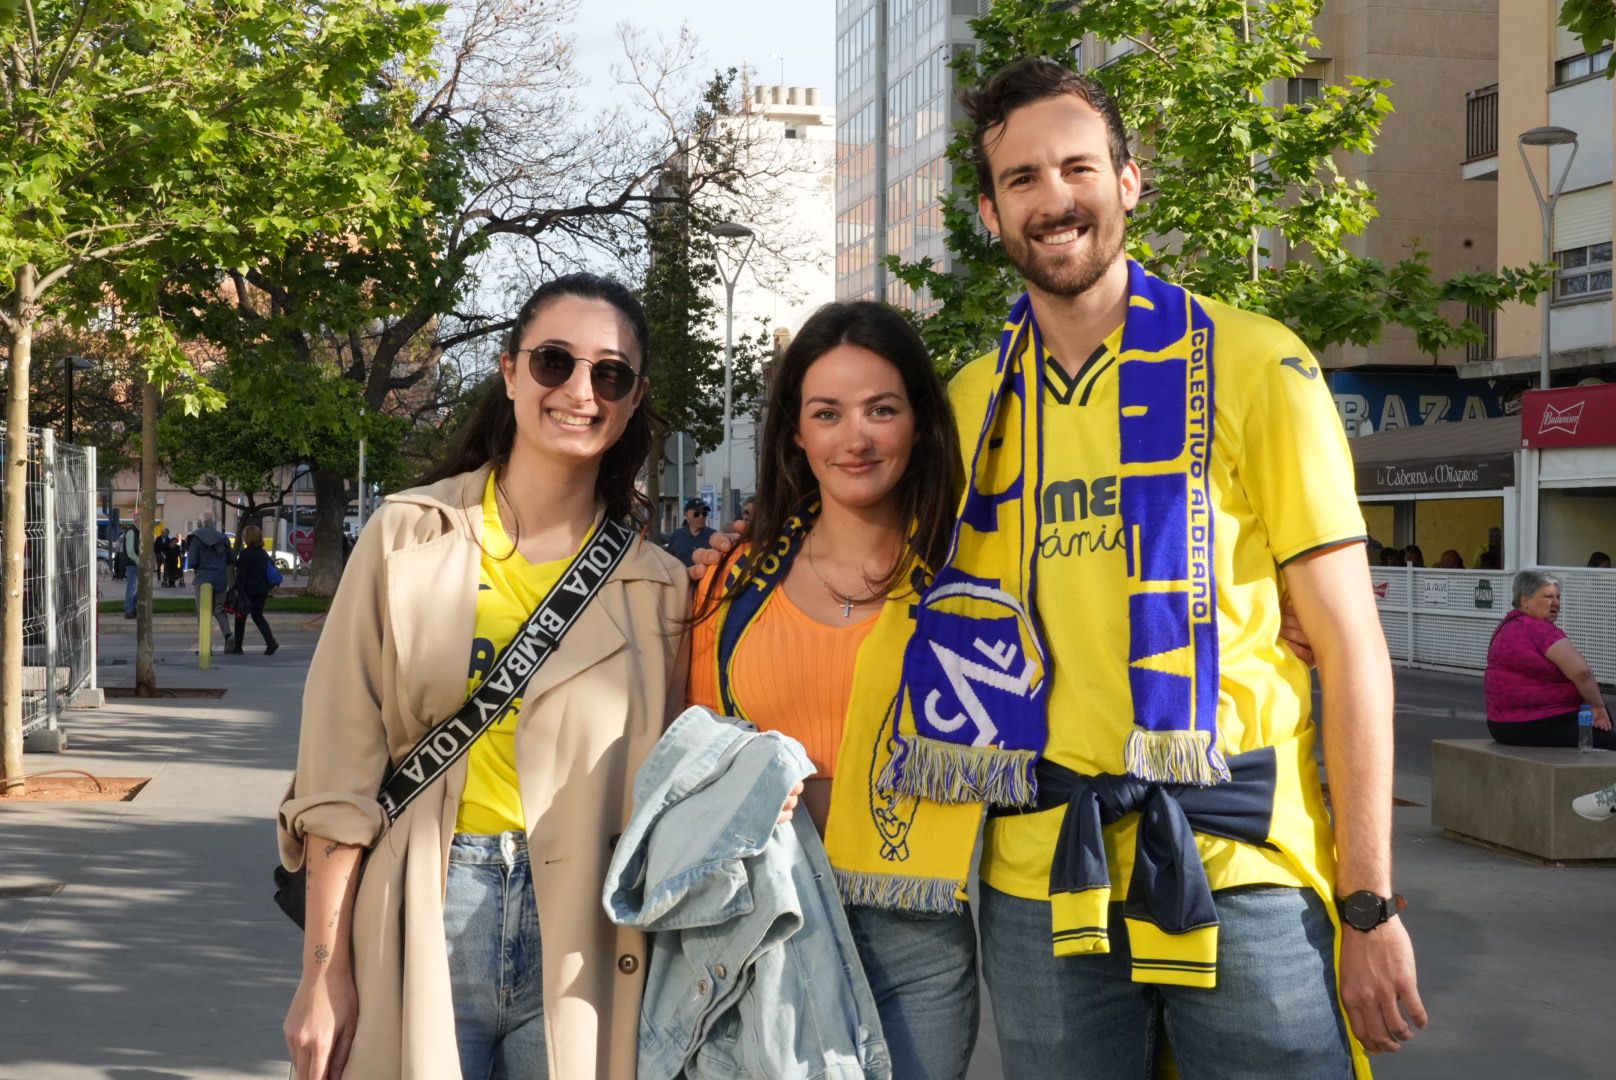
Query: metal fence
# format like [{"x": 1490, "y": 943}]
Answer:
[
  {"x": 59, "y": 584},
  {"x": 1445, "y": 618}
]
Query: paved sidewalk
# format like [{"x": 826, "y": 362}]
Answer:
[{"x": 163, "y": 958}]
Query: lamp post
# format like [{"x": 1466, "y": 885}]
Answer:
[
  {"x": 1547, "y": 136},
  {"x": 70, "y": 364},
  {"x": 729, "y": 230}
]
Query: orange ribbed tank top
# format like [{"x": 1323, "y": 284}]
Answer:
[{"x": 792, "y": 674}]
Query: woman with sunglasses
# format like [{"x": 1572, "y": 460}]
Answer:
[
  {"x": 804, "y": 633},
  {"x": 423, "y": 953}
]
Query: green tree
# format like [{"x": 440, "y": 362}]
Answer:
[
  {"x": 681, "y": 279},
  {"x": 139, "y": 136},
  {"x": 1232, "y": 172},
  {"x": 513, "y": 176},
  {"x": 1594, "y": 21}
]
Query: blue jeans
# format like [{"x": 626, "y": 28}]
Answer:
[
  {"x": 495, "y": 975},
  {"x": 922, "y": 970},
  {"x": 1273, "y": 1013},
  {"x": 131, "y": 586}
]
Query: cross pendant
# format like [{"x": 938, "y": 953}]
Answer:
[{"x": 847, "y": 608}]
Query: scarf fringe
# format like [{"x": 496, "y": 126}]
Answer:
[
  {"x": 950, "y": 773},
  {"x": 938, "y": 896},
  {"x": 1175, "y": 757}
]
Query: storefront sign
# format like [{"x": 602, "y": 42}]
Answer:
[
  {"x": 1492, "y": 473},
  {"x": 1571, "y": 416},
  {"x": 1371, "y": 403},
  {"x": 1484, "y": 595},
  {"x": 1434, "y": 592}
]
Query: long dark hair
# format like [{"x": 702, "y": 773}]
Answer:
[
  {"x": 928, "y": 491},
  {"x": 491, "y": 431}
]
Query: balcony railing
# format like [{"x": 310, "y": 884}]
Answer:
[
  {"x": 1487, "y": 319},
  {"x": 1481, "y": 123}
]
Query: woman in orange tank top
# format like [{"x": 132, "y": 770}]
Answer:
[{"x": 858, "y": 484}]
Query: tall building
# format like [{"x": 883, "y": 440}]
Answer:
[
  {"x": 895, "y": 94},
  {"x": 1545, "y": 78}
]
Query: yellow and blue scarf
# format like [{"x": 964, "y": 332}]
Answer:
[
  {"x": 887, "y": 849},
  {"x": 974, "y": 699}
]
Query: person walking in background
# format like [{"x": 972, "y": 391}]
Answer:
[
  {"x": 858, "y": 485},
  {"x": 174, "y": 562},
  {"x": 1599, "y": 560},
  {"x": 253, "y": 585},
  {"x": 1097, "y": 657},
  {"x": 160, "y": 548},
  {"x": 423, "y": 954},
  {"x": 1490, "y": 557},
  {"x": 684, "y": 542},
  {"x": 131, "y": 558},
  {"x": 1536, "y": 679},
  {"x": 211, "y": 558}
]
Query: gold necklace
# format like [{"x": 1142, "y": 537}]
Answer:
[{"x": 848, "y": 602}]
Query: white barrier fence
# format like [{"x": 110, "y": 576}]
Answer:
[{"x": 1445, "y": 619}]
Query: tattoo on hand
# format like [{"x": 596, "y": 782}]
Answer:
[
  {"x": 329, "y": 848},
  {"x": 321, "y": 954}
]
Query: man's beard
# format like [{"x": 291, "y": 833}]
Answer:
[{"x": 1065, "y": 277}]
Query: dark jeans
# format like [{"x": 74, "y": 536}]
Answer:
[
  {"x": 1559, "y": 730},
  {"x": 257, "y": 612}
]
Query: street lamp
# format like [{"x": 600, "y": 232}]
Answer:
[
  {"x": 729, "y": 230},
  {"x": 1547, "y": 136},
  {"x": 70, "y": 364}
]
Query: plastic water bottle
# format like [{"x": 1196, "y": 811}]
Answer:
[{"x": 1585, "y": 729}]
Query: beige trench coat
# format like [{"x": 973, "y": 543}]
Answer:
[{"x": 391, "y": 662}]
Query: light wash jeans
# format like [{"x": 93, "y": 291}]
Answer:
[
  {"x": 922, "y": 970},
  {"x": 1273, "y": 1013},
  {"x": 495, "y": 976},
  {"x": 131, "y": 588}
]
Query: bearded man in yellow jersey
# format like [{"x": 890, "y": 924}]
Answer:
[{"x": 1152, "y": 474}]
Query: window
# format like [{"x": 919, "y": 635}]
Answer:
[
  {"x": 1300, "y": 91},
  {"x": 1581, "y": 66},
  {"x": 1584, "y": 271}
]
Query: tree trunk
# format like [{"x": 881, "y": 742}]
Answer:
[
  {"x": 653, "y": 479},
  {"x": 145, "y": 652},
  {"x": 15, "y": 534},
  {"x": 330, "y": 508}
]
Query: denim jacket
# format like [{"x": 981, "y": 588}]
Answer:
[{"x": 753, "y": 972}]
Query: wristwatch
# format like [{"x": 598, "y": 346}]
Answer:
[{"x": 1363, "y": 910}]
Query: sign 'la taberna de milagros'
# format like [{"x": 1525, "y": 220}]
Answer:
[{"x": 1489, "y": 473}]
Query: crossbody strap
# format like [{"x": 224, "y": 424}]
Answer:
[{"x": 535, "y": 643}]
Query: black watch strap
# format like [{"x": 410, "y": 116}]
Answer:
[{"x": 1364, "y": 910}]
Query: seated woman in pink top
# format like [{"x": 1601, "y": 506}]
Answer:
[{"x": 1536, "y": 679}]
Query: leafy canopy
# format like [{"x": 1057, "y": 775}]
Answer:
[{"x": 146, "y": 133}]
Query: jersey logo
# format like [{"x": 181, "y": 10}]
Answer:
[{"x": 1296, "y": 362}]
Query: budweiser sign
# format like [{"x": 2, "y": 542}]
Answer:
[
  {"x": 1570, "y": 416},
  {"x": 1565, "y": 419}
]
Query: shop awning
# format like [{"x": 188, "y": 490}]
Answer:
[{"x": 1476, "y": 455}]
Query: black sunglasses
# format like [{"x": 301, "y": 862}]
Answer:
[
  {"x": 552, "y": 366},
  {"x": 698, "y": 513}
]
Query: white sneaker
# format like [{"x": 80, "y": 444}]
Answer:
[{"x": 1597, "y": 805}]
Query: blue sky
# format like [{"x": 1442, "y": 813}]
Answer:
[{"x": 731, "y": 32}]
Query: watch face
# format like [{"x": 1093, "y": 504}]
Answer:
[{"x": 1362, "y": 910}]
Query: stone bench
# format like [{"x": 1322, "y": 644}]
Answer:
[{"x": 1519, "y": 797}]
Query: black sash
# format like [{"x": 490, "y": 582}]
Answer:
[{"x": 505, "y": 683}]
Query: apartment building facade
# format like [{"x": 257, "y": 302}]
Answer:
[{"x": 1545, "y": 78}]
